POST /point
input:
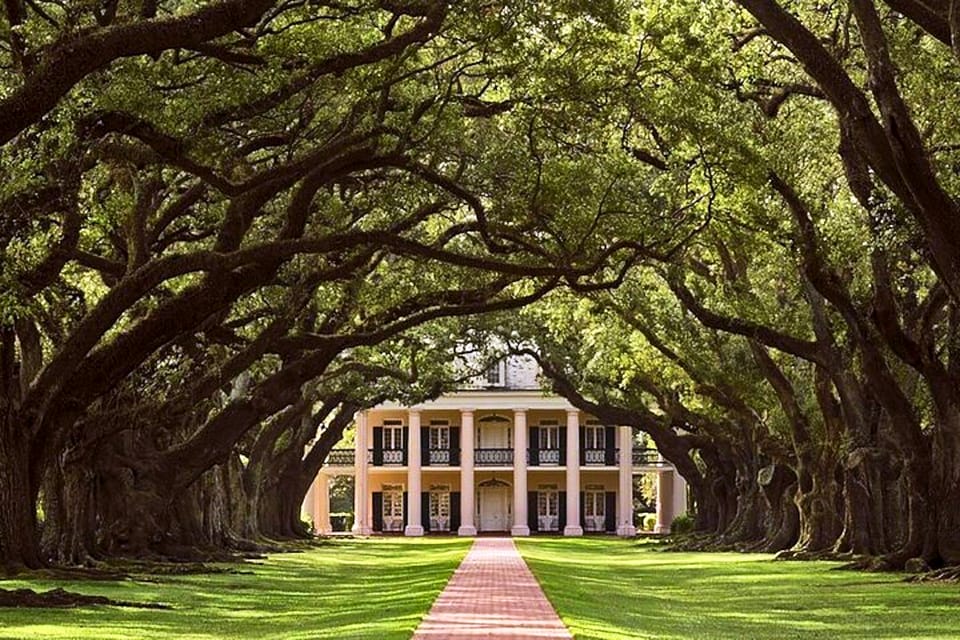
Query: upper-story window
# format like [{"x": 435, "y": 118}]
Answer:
[
  {"x": 549, "y": 435},
  {"x": 393, "y": 434},
  {"x": 439, "y": 434},
  {"x": 594, "y": 436}
]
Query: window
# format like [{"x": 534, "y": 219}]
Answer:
[
  {"x": 549, "y": 435},
  {"x": 594, "y": 436},
  {"x": 548, "y": 503},
  {"x": 392, "y": 434},
  {"x": 548, "y": 507},
  {"x": 493, "y": 376},
  {"x": 594, "y": 507},
  {"x": 439, "y": 434},
  {"x": 440, "y": 507},
  {"x": 393, "y": 507}
]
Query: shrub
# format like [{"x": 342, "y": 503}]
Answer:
[
  {"x": 649, "y": 521},
  {"x": 682, "y": 524}
]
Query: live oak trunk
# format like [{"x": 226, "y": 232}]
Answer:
[{"x": 18, "y": 522}]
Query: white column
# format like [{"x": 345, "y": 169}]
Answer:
[
  {"x": 309, "y": 504},
  {"x": 414, "y": 520},
  {"x": 321, "y": 504},
  {"x": 679, "y": 494},
  {"x": 573, "y": 527},
  {"x": 664, "y": 501},
  {"x": 467, "y": 489},
  {"x": 625, "y": 527},
  {"x": 362, "y": 521},
  {"x": 520, "y": 527}
]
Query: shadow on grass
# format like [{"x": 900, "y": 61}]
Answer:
[
  {"x": 345, "y": 589},
  {"x": 613, "y": 589}
]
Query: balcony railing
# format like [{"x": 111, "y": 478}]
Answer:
[
  {"x": 493, "y": 457},
  {"x": 438, "y": 457},
  {"x": 340, "y": 458},
  {"x": 548, "y": 456},
  {"x": 393, "y": 456},
  {"x": 599, "y": 456},
  {"x": 648, "y": 457}
]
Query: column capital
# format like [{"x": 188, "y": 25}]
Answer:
[
  {"x": 467, "y": 412},
  {"x": 519, "y": 410},
  {"x": 573, "y": 412},
  {"x": 414, "y": 412}
]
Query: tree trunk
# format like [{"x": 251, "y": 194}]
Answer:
[{"x": 18, "y": 520}]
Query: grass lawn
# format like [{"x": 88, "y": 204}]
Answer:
[
  {"x": 346, "y": 589},
  {"x": 614, "y": 589}
]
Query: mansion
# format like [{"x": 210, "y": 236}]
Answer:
[{"x": 497, "y": 457}]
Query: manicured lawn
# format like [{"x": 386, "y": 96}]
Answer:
[
  {"x": 613, "y": 589},
  {"x": 347, "y": 589}
]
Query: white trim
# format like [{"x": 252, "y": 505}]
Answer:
[{"x": 529, "y": 400}]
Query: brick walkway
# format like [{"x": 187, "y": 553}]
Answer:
[{"x": 492, "y": 595}]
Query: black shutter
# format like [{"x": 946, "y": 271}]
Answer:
[
  {"x": 377, "y": 446},
  {"x": 583, "y": 510},
  {"x": 406, "y": 512},
  {"x": 610, "y": 448},
  {"x": 610, "y": 512},
  {"x": 377, "y": 511},
  {"x": 454, "y": 511},
  {"x": 406, "y": 446},
  {"x": 583, "y": 445},
  {"x": 532, "y": 520},
  {"x": 425, "y": 446},
  {"x": 563, "y": 445},
  {"x": 455, "y": 448},
  {"x": 425, "y": 510},
  {"x": 534, "y": 446},
  {"x": 563, "y": 510}
]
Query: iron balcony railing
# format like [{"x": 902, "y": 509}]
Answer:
[
  {"x": 493, "y": 457},
  {"x": 393, "y": 456},
  {"x": 549, "y": 456},
  {"x": 648, "y": 457},
  {"x": 600, "y": 456},
  {"x": 438, "y": 457},
  {"x": 340, "y": 458}
]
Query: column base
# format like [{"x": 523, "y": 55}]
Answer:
[
  {"x": 467, "y": 530},
  {"x": 573, "y": 530},
  {"x": 413, "y": 530},
  {"x": 627, "y": 531},
  {"x": 359, "y": 530},
  {"x": 661, "y": 528},
  {"x": 324, "y": 531},
  {"x": 520, "y": 530}
]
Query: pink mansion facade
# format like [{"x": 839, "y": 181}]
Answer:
[{"x": 498, "y": 457}]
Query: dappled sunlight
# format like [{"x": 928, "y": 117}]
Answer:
[
  {"x": 612, "y": 589},
  {"x": 347, "y": 589}
]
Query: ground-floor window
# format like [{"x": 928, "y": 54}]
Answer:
[
  {"x": 440, "y": 508},
  {"x": 594, "y": 508},
  {"x": 548, "y": 507},
  {"x": 392, "y": 507}
]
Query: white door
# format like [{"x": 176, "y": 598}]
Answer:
[{"x": 494, "y": 503}]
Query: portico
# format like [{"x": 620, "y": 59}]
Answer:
[{"x": 512, "y": 461}]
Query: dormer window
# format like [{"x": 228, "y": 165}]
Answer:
[{"x": 495, "y": 375}]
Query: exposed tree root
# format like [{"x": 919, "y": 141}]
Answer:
[
  {"x": 60, "y": 599},
  {"x": 946, "y": 574}
]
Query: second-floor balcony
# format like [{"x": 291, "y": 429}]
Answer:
[
  {"x": 502, "y": 457},
  {"x": 493, "y": 457}
]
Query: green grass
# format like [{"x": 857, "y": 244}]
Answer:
[
  {"x": 347, "y": 589},
  {"x": 613, "y": 589}
]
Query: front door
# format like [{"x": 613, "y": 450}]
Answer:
[{"x": 494, "y": 507}]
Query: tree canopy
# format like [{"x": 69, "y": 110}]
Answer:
[{"x": 226, "y": 226}]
